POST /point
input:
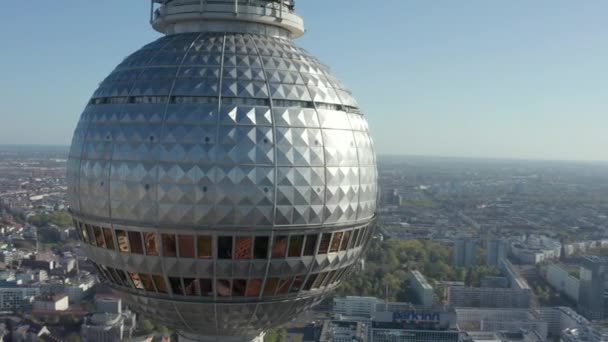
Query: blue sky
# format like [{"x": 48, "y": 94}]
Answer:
[{"x": 476, "y": 78}]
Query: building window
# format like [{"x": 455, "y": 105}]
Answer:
[
  {"x": 84, "y": 234},
  {"x": 271, "y": 286},
  {"x": 279, "y": 248},
  {"x": 345, "y": 240},
  {"x": 161, "y": 285},
  {"x": 260, "y": 247},
  {"x": 99, "y": 237},
  {"x": 353, "y": 240},
  {"x": 224, "y": 247},
  {"x": 206, "y": 287},
  {"x": 135, "y": 243},
  {"x": 146, "y": 280},
  {"x": 254, "y": 287},
  {"x": 169, "y": 246},
  {"x": 295, "y": 245},
  {"x": 324, "y": 246},
  {"x": 150, "y": 243},
  {"x": 238, "y": 287},
  {"x": 136, "y": 281},
  {"x": 107, "y": 234},
  {"x": 361, "y": 236},
  {"x": 123, "y": 241},
  {"x": 310, "y": 281},
  {"x": 191, "y": 287},
  {"x": 223, "y": 287},
  {"x": 242, "y": 248},
  {"x": 123, "y": 278},
  {"x": 91, "y": 234},
  {"x": 335, "y": 242},
  {"x": 284, "y": 285},
  {"x": 329, "y": 279},
  {"x": 114, "y": 276},
  {"x": 319, "y": 280},
  {"x": 176, "y": 286},
  {"x": 186, "y": 246},
  {"x": 205, "y": 247},
  {"x": 297, "y": 284},
  {"x": 311, "y": 244}
]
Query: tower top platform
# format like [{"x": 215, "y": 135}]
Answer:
[{"x": 269, "y": 17}]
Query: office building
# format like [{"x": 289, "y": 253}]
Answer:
[
  {"x": 459, "y": 296},
  {"x": 354, "y": 306},
  {"x": 561, "y": 280},
  {"x": 422, "y": 288},
  {"x": 465, "y": 252},
  {"x": 14, "y": 296},
  {"x": 496, "y": 250},
  {"x": 593, "y": 289}
]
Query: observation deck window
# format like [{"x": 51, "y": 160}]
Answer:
[
  {"x": 224, "y": 247},
  {"x": 254, "y": 287},
  {"x": 295, "y": 245},
  {"x": 205, "y": 247},
  {"x": 311, "y": 244},
  {"x": 161, "y": 285},
  {"x": 135, "y": 242},
  {"x": 223, "y": 288},
  {"x": 151, "y": 243},
  {"x": 239, "y": 286},
  {"x": 191, "y": 286},
  {"x": 186, "y": 246},
  {"x": 169, "y": 245},
  {"x": 123, "y": 241},
  {"x": 279, "y": 248},
  {"x": 206, "y": 287},
  {"x": 176, "y": 286},
  {"x": 109, "y": 238},
  {"x": 260, "y": 247}
]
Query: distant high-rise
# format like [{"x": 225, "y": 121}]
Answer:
[
  {"x": 593, "y": 288},
  {"x": 223, "y": 179},
  {"x": 465, "y": 252},
  {"x": 496, "y": 250}
]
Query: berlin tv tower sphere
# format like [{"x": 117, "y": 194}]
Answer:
[{"x": 223, "y": 180}]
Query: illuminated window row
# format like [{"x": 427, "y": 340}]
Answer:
[
  {"x": 219, "y": 287},
  {"x": 225, "y": 247}
]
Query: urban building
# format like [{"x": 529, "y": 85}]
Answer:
[
  {"x": 354, "y": 306},
  {"x": 561, "y": 280},
  {"x": 390, "y": 333},
  {"x": 422, "y": 288},
  {"x": 459, "y": 296},
  {"x": 560, "y": 319},
  {"x": 48, "y": 303},
  {"x": 501, "y": 319},
  {"x": 108, "y": 326},
  {"x": 534, "y": 249},
  {"x": 465, "y": 252},
  {"x": 344, "y": 331},
  {"x": 14, "y": 296},
  {"x": 501, "y": 336},
  {"x": 496, "y": 250},
  {"x": 593, "y": 289}
]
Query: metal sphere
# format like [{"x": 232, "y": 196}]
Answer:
[{"x": 223, "y": 183}]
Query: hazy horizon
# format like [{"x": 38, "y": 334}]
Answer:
[{"x": 501, "y": 80}]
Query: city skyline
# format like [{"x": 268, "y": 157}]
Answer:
[{"x": 511, "y": 80}]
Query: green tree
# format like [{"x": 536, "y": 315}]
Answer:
[
  {"x": 73, "y": 337},
  {"x": 146, "y": 326}
]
